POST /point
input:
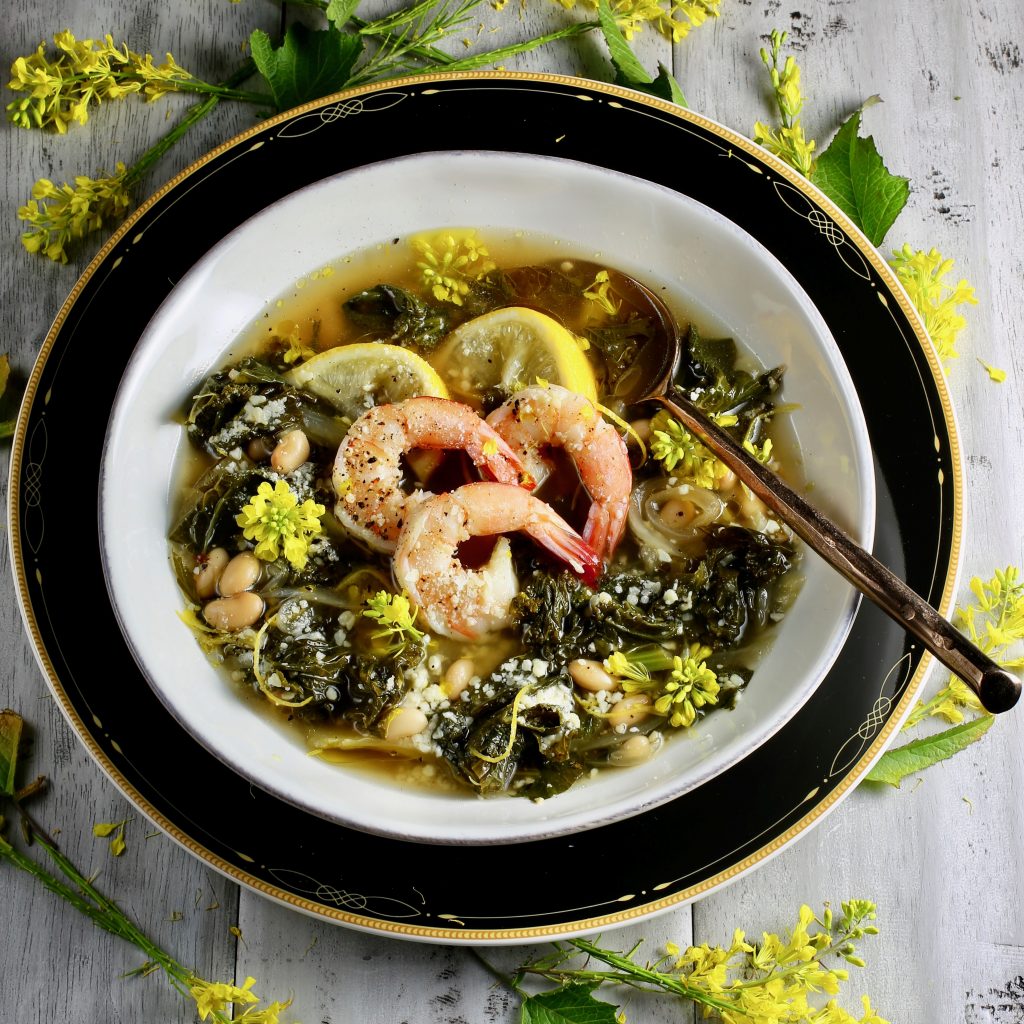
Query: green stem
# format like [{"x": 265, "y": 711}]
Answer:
[
  {"x": 224, "y": 92},
  {"x": 505, "y": 979},
  {"x": 431, "y": 53},
  {"x": 196, "y": 114},
  {"x": 631, "y": 970},
  {"x": 503, "y": 52}
]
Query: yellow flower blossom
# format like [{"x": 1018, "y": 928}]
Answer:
[
  {"x": 293, "y": 348},
  {"x": 449, "y": 261},
  {"x": 994, "y": 373},
  {"x": 278, "y": 523},
  {"x": 84, "y": 72},
  {"x": 681, "y": 453},
  {"x": 761, "y": 452},
  {"x": 600, "y": 293},
  {"x": 635, "y": 675},
  {"x": 921, "y": 274},
  {"x": 691, "y": 685},
  {"x": 62, "y": 214},
  {"x": 787, "y": 141},
  {"x": 269, "y": 1014},
  {"x": 216, "y": 996},
  {"x": 674, "y": 19},
  {"x": 395, "y": 615}
]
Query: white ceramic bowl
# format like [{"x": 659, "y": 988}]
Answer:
[{"x": 708, "y": 266}]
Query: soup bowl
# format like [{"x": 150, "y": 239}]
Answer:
[{"x": 700, "y": 261}]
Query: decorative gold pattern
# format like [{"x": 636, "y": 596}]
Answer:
[{"x": 731, "y": 145}]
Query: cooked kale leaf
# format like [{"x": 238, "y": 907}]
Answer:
[
  {"x": 221, "y": 416},
  {"x": 708, "y": 372},
  {"x": 393, "y": 314}
]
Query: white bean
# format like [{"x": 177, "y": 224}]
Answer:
[
  {"x": 631, "y": 709},
  {"x": 405, "y": 722},
  {"x": 635, "y": 750},
  {"x": 457, "y": 677},
  {"x": 207, "y": 577},
  {"x": 291, "y": 452},
  {"x": 591, "y": 675},
  {"x": 241, "y": 573},
  {"x": 231, "y": 614}
]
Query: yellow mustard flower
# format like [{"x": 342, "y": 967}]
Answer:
[
  {"x": 600, "y": 293},
  {"x": 278, "y": 523},
  {"x": 395, "y": 615},
  {"x": 677, "y": 449},
  {"x": 635, "y": 676},
  {"x": 691, "y": 685},
  {"x": 921, "y": 274},
  {"x": 83, "y": 72},
  {"x": 787, "y": 141},
  {"x": 62, "y": 214},
  {"x": 674, "y": 19},
  {"x": 449, "y": 261},
  {"x": 269, "y": 1014},
  {"x": 216, "y": 996},
  {"x": 761, "y": 452}
]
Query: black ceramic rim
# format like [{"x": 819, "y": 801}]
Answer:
[{"x": 531, "y": 891}]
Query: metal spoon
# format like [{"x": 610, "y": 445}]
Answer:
[{"x": 650, "y": 379}]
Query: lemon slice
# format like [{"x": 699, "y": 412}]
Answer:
[
  {"x": 354, "y": 378},
  {"x": 509, "y": 349}
]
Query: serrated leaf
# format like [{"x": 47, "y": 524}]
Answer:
[
  {"x": 851, "y": 173},
  {"x": 339, "y": 11},
  {"x": 664, "y": 87},
  {"x": 628, "y": 70},
  {"x": 10, "y": 736},
  {"x": 895, "y": 765},
  {"x": 307, "y": 65},
  {"x": 570, "y": 1004}
]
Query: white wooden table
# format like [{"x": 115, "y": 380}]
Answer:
[{"x": 944, "y": 859}]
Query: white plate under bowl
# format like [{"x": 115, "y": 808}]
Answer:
[{"x": 707, "y": 266}]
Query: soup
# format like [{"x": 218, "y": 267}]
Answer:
[{"x": 417, "y": 522}]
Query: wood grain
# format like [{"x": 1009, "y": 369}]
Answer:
[{"x": 941, "y": 858}]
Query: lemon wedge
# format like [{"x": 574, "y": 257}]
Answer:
[
  {"x": 354, "y": 378},
  {"x": 509, "y": 349}
]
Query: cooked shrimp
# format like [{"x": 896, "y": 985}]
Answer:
[
  {"x": 546, "y": 416},
  {"x": 368, "y": 467},
  {"x": 468, "y": 603}
]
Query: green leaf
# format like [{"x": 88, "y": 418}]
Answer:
[
  {"x": 10, "y": 736},
  {"x": 570, "y": 1004},
  {"x": 895, "y": 765},
  {"x": 851, "y": 173},
  {"x": 628, "y": 69},
  {"x": 307, "y": 65},
  {"x": 339, "y": 11}
]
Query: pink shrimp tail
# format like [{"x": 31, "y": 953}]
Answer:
[
  {"x": 604, "y": 528},
  {"x": 566, "y": 544}
]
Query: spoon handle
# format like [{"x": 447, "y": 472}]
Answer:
[{"x": 997, "y": 689}]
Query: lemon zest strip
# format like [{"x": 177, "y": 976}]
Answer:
[{"x": 511, "y": 733}]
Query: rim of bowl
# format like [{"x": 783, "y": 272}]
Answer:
[{"x": 493, "y": 833}]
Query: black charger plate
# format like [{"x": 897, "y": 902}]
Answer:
[{"x": 689, "y": 846}]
